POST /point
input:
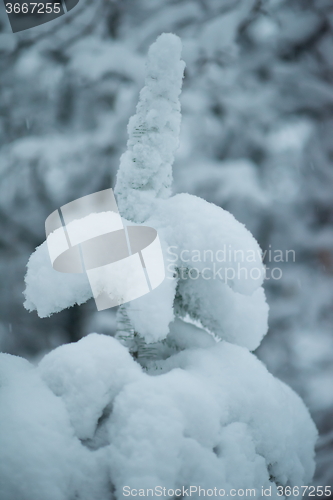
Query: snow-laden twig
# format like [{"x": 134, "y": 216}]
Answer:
[{"x": 145, "y": 171}]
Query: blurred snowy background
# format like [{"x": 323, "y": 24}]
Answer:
[{"x": 257, "y": 108}]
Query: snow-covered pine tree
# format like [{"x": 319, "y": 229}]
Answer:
[
  {"x": 205, "y": 412},
  {"x": 143, "y": 181}
]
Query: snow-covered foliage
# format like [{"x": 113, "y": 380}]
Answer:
[
  {"x": 234, "y": 309},
  {"x": 256, "y": 139},
  {"x": 192, "y": 406},
  {"x": 228, "y": 300},
  {"x": 61, "y": 290},
  {"x": 153, "y": 133},
  {"x": 92, "y": 422}
]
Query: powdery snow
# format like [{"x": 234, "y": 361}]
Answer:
[
  {"x": 212, "y": 417},
  {"x": 145, "y": 170},
  {"x": 49, "y": 291}
]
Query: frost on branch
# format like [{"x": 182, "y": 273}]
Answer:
[{"x": 145, "y": 171}]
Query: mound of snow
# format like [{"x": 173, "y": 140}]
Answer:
[{"x": 88, "y": 421}]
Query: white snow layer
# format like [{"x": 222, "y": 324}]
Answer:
[
  {"x": 145, "y": 170},
  {"x": 88, "y": 421},
  {"x": 49, "y": 291}
]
